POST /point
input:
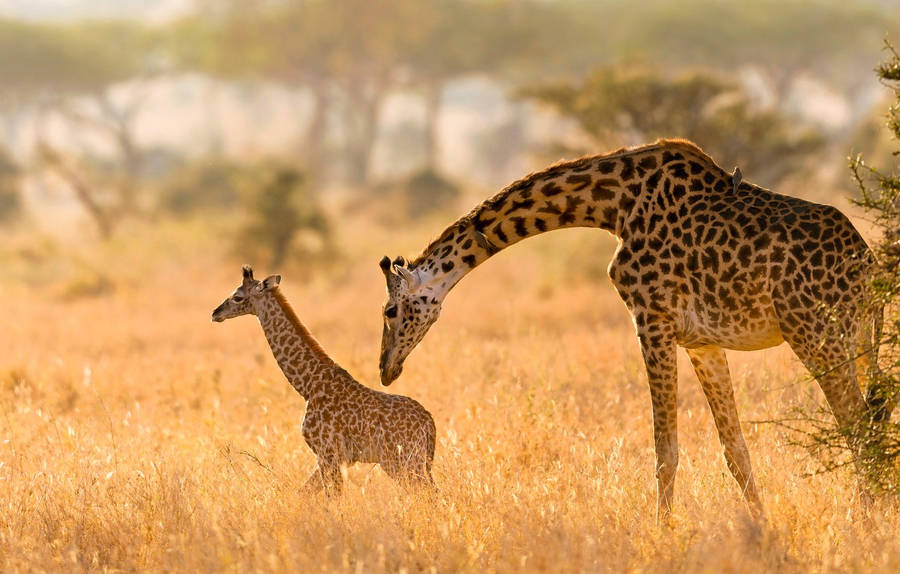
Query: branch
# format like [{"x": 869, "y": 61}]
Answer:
[{"x": 82, "y": 190}]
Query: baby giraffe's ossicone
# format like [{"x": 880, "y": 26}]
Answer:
[{"x": 345, "y": 421}]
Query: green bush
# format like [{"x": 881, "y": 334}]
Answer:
[
  {"x": 281, "y": 213},
  {"x": 877, "y": 439},
  {"x": 880, "y": 196},
  {"x": 208, "y": 184}
]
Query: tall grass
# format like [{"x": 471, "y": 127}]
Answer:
[{"x": 138, "y": 436}]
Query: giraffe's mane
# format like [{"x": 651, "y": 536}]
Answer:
[
  {"x": 560, "y": 166},
  {"x": 304, "y": 333},
  {"x": 684, "y": 144}
]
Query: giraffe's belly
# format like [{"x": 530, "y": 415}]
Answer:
[{"x": 738, "y": 331}]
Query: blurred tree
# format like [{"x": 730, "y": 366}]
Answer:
[
  {"x": 427, "y": 191},
  {"x": 349, "y": 54},
  {"x": 10, "y": 187},
  {"x": 71, "y": 70},
  {"x": 344, "y": 51},
  {"x": 134, "y": 57},
  {"x": 116, "y": 121},
  {"x": 831, "y": 39},
  {"x": 93, "y": 198},
  {"x": 280, "y": 208},
  {"x": 638, "y": 104},
  {"x": 510, "y": 41},
  {"x": 463, "y": 38},
  {"x": 366, "y": 65},
  {"x": 235, "y": 41},
  {"x": 43, "y": 62},
  {"x": 496, "y": 145}
]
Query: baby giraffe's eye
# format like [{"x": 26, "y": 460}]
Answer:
[
  {"x": 390, "y": 311},
  {"x": 237, "y": 298}
]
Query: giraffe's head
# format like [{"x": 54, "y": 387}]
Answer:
[
  {"x": 245, "y": 299},
  {"x": 413, "y": 305}
]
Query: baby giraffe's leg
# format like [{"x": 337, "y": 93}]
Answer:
[
  {"x": 327, "y": 475},
  {"x": 394, "y": 469},
  {"x": 420, "y": 468},
  {"x": 401, "y": 471},
  {"x": 331, "y": 472},
  {"x": 315, "y": 482},
  {"x": 428, "y": 479},
  {"x": 429, "y": 456},
  {"x": 418, "y": 474},
  {"x": 410, "y": 473}
]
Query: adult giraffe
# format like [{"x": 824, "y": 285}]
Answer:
[{"x": 705, "y": 261}]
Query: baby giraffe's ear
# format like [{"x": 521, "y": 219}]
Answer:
[{"x": 270, "y": 282}]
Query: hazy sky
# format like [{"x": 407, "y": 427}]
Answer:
[
  {"x": 79, "y": 9},
  {"x": 153, "y": 10}
]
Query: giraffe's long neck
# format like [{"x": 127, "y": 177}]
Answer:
[
  {"x": 301, "y": 358},
  {"x": 599, "y": 191}
]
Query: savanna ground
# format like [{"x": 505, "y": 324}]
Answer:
[{"x": 138, "y": 436}]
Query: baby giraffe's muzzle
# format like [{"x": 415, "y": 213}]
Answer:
[{"x": 217, "y": 313}]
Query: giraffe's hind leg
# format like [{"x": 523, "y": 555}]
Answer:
[
  {"x": 822, "y": 345},
  {"x": 711, "y": 367}
]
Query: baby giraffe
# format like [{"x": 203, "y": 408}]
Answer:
[{"x": 345, "y": 421}]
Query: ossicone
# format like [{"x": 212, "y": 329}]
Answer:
[{"x": 410, "y": 278}]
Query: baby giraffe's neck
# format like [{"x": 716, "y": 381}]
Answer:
[{"x": 302, "y": 360}]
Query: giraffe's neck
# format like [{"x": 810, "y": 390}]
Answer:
[
  {"x": 599, "y": 191},
  {"x": 302, "y": 360}
]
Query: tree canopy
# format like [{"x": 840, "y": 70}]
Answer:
[
  {"x": 633, "y": 105},
  {"x": 41, "y": 61}
]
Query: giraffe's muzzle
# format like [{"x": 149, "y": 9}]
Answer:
[
  {"x": 390, "y": 374},
  {"x": 217, "y": 313}
]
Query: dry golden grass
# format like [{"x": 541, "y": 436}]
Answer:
[{"x": 138, "y": 436}]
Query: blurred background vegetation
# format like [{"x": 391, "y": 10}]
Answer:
[{"x": 269, "y": 120}]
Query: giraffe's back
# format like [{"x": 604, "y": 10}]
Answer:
[
  {"x": 727, "y": 264},
  {"x": 361, "y": 424}
]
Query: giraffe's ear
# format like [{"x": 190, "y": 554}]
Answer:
[{"x": 270, "y": 282}]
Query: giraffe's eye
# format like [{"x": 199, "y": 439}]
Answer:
[
  {"x": 237, "y": 298},
  {"x": 390, "y": 311}
]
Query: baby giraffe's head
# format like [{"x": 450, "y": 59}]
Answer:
[{"x": 245, "y": 299}]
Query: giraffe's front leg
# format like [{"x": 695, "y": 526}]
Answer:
[{"x": 658, "y": 348}]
